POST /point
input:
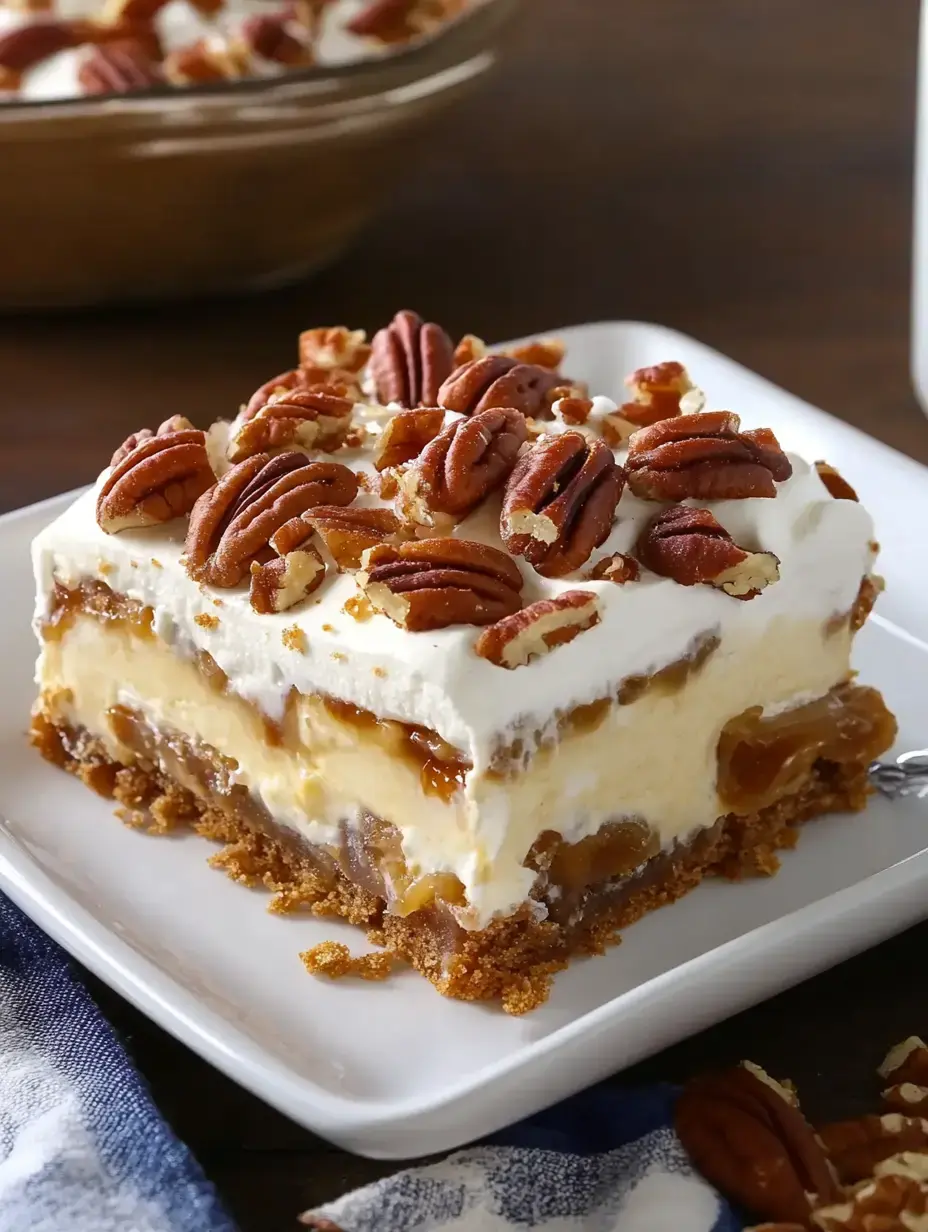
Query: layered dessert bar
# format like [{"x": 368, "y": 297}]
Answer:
[{"x": 431, "y": 639}]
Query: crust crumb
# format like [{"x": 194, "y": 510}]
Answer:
[
  {"x": 335, "y": 960},
  {"x": 206, "y": 621},
  {"x": 294, "y": 638},
  {"x": 156, "y": 564}
]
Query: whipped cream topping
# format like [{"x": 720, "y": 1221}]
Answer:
[{"x": 435, "y": 679}]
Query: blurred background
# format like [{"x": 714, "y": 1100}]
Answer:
[{"x": 739, "y": 171}]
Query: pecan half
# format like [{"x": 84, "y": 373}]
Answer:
[
  {"x": 266, "y": 35},
  {"x": 560, "y": 502},
  {"x": 856, "y": 1147},
  {"x": 658, "y": 392},
  {"x": 538, "y": 628},
  {"x": 333, "y": 349},
  {"x": 500, "y": 380},
  {"x": 409, "y": 360},
  {"x": 176, "y": 423},
  {"x": 839, "y": 487},
  {"x": 616, "y": 568},
  {"x": 406, "y": 434},
  {"x": 117, "y": 68},
  {"x": 466, "y": 461},
  {"x": 298, "y": 419},
  {"x": 691, "y": 547},
  {"x": 745, "y": 1134},
  {"x": 347, "y": 533},
  {"x": 704, "y": 456},
  {"x": 432, "y": 583},
  {"x": 232, "y": 524},
  {"x": 277, "y": 585},
  {"x": 159, "y": 480}
]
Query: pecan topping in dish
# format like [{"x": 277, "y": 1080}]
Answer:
[
  {"x": 406, "y": 434},
  {"x": 746, "y": 1134},
  {"x": 232, "y": 524},
  {"x": 704, "y": 456},
  {"x": 500, "y": 380},
  {"x": 836, "y": 484},
  {"x": 658, "y": 393},
  {"x": 617, "y": 568},
  {"x": 160, "y": 479},
  {"x": 409, "y": 360},
  {"x": 176, "y": 423},
  {"x": 466, "y": 461},
  {"x": 691, "y": 547},
  {"x": 560, "y": 502},
  {"x": 297, "y": 419},
  {"x": 538, "y": 628},
  {"x": 432, "y": 583},
  {"x": 349, "y": 532},
  {"x": 118, "y": 68}
]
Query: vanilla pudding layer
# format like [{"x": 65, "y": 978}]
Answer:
[{"x": 647, "y": 754}]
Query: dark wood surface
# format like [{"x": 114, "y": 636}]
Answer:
[{"x": 739, "y": 171}]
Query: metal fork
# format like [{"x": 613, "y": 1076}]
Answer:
[{"x": 906, "y": 776}]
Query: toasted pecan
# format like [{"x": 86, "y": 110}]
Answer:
[
  {"x": 704, "y": 456},
  {"x": 293, "y": 419},
  {"x": 232, "y": 524},
  {"x": 617, "y": 568},
  {"x": 855, "y": 1147},
  {"x": 406, "y": 434},
  {"x": 333, "y": 349},
  {"x": 692, "y": 547},
  {"x": 431, "y": 583},
  {"x": 560, "y": 502},
  {"x": 268, "y": 35},
  {"x": 538, "y": 628},
  {"x": 157, "y": 481},
  {"x": 658, "y": 392},
  {"x": 117, "y": 68},
  {"x": 410, "y": 358},
  {"x": 279, "y": 584},
  {"x": 893, "y": 1202},
  {"x": 500, "y": 380},
  {"x": 176, "y": 423},
  {"x": 347, "y": 533},
  {"x": 838, "y": 486}
]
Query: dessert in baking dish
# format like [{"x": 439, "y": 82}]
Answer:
[{"x": 433, "y": 640}]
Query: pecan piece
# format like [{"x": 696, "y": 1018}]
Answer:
[
  {"x": 406, "y": 434},
  {"x": 658, "y": 393},
  {"x": 907, "y": 1098},
  {"x": 277, "y": 585},
  {"x": 284, "y": 382},
  {"x": 398, "y": 21},
  {"x": 704, "y": 456},
  {"x": 176, "y": 423},
  {"x": 205, "y": 61},
  {"x": 541, "y": 352},
  {"x": 409, "y": 360},
  {"x": 298, "y": 419},
  {"x": 560, "y": 502},
  {"x": 117, "y": 68},
  {"x": 25, "y": 46},
  {"x": 856, "y": 1147},
  {"x": 267, "y": 35},
  {"x": 500, "y": 380},
  {"x": 896, "y": 1202},
  {"x": 469, "y": 348},
  {"x": 746, "y": 1134},
  {"x": 157, "y": 481},
  {"x": 347, "y": 533},
  {"x": 466, "y": 461},
  {"x": 432, "y": 583},
  {"x": 691, "y": 547},
  {"x": 836, "y": 484},
  {"x": 333, "y": 349},
  {"x": 906, "y": 1062},
  {"x": 616, "y": 568},
  {"x": 538, "y": 628},
  {"x": 232, "y": 524}
]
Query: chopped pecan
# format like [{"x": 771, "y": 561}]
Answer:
[
  {"x": 691, "y": 547},
  {"x": 544, "y": 352},
  {"x": 409, "y": 360},
  {"x": 232, "y": 524},
  {"x": 906, "y": 1062},
  {"x": 334, "y": 349},
  {"x": 431, "y": 583},
  {"x": 746, "y": 1134},
  {"x": 117, "y": 68},
  {"x": 468, "y": 349},
  {"x": 500, "y": 380},
  {"x": 658, "y": 392},
  {"x": 267, "y": 35},
  {"x": 560, "y": 502},
  {"x": 892, "y": 1203},
  {"x": 871, "y": 587},
  {"x": 398, "y": 21},
  {"x": 347, "y": 533},
  {"x": 406, "y": 434},
  {"x": 616, "y": 568},
  {"x": 856, "y": 1147},
  {"x": 704, "y": 456},
  {"x": 462, "y": 465},
  {"x": 839, "y": 487},
  {"x": 572, "y": 410},
  {"x": 907, "y": 1098},
  {"x": 160, "y": 479},
  {"x": 176, "y": 423},
  {"x": 277, "y": 585},
  {"x": 298, "y": 419},
  {"x": 538, "y": 628},
  {"x": 205, "y": 61}
]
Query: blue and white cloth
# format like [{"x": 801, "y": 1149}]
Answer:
[{"x": 83, "y": 1148}]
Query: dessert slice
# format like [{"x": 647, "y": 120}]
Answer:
[{"x": 433, "y": 641}]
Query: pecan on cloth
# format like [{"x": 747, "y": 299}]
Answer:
[
  {"x": 706, "y": 457},
  {"x": 746, "y": 1134},
  {"x": 466, "y": 461},
  {"x": 691, "y": 547},
  {"x": 297, "y": 419},
  {"x": 410, "y": 359},
  {"x": 560, "y": 502},
  {"x": 232, "y": 524},
  {"x": 538, "y": 628},
  {"x": 157, "y": 479},
  {"x": 431, "y": 583},
  {"x": 500, "y": 380}
]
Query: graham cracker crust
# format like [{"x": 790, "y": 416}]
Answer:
[{"x": 511, "y": 960}]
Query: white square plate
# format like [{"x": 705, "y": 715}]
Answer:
[{"x": 394, "y": 1070}]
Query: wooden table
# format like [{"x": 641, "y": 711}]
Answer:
[{"x": 739, "y": 171}]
